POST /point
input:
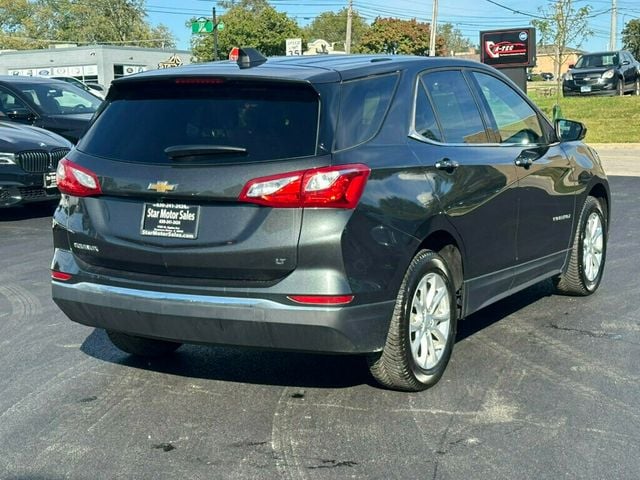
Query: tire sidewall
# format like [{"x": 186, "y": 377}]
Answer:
[
  {"x": 427, "y": 264},
  {"x": 593, "y": 206}
]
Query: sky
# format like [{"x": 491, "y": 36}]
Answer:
[{"x": 469, "y": 16}]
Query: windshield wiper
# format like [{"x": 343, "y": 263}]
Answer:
[{"x": 182, "y": 151}]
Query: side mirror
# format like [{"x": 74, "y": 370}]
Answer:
[
  {"x": 20, "y": 115},
  {"x": 572, "y": 65},
  {"x": 570, "y": 131}
]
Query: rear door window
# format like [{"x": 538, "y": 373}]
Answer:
[
  {"x": 455, "y": 107},
  {"x": 257, "y": 121},
  {"x": 363, "y": 107}
]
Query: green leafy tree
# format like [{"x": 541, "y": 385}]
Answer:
[
  {"x": 41, "y": 22},
  {"x": 562, "y": 25},
  {"x": 391, "y": 35},
  {"x": 16, "y": 25},
  {"x": 631, "y": 37},
  {"x": 332, "y": 27},
  {"x": 248, "y": 23},
  {"x": 453, "y": 40}
]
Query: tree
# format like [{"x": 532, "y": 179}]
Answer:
[
  {"x": 248, "y": 23},
  {"x": 332, "y": 27},
  {"x": 562, "y": 25},
  {"x": 41, "y": 22},
  {"x": 631, "y": 37},
  {"x": 454, "y": 41},
  {"x": 391, "y": 35}
]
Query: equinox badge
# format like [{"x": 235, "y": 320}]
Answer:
[{"x": 162, "y": 187}]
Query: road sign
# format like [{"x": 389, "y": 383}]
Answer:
[
  {"x": 294, "y": 46},
  {"x": 220, "y": 26},
  {"x": 202, "y": 25}
]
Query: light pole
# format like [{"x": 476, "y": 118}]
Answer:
[{"x": 434, "y": 23}]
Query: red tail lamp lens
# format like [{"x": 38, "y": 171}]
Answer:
[
  {"x": 63, "y": 277},
  {"x": 322, "y": 299},
  {"x": 339, "y": 186},
  {"x": 75, "y": 180}
]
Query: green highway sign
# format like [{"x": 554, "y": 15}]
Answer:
[
  {"x": 202, "y": 26},
  {"x": 220, "y": 26}
]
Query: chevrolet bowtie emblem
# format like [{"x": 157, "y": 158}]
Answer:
[{"x": 161, "y": 187}]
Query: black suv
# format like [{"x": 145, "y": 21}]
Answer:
[
  {"x": 603, "y": 73},
  {"x": 343, "y": 204},
  {"x": 50, "y": 104}
]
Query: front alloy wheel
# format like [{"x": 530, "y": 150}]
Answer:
[{"x": 587, "y": 257}]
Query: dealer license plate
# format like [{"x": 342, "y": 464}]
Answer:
[
  {"x": 49, "y": 180},
  {"x": 170, "y": 220},
  {"x": 585, "y": 88}
]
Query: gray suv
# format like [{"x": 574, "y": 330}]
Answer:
[{"x": 336, "y": 204}]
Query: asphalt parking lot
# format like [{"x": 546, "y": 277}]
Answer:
[{"x": 540, "y": 386}]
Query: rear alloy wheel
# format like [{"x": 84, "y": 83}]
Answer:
[
  {"x": 140, "y": 346},
  {"x": 587, "y": 257},
  {"x": 422, "y": 330}
]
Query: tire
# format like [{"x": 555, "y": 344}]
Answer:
[
  {"x": 425, "y": 317},
  {"x": 636, "y": 88},
  {"x": 588, "y": 253},
  {"x": 140, "y": 346},
  {"x": 620, "y": 87}
]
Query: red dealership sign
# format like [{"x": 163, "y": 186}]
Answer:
[{"x": 508, "y": 48}]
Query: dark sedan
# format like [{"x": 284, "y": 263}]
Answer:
[
  {"x": 28, "y": 160},
  {"x": 603, "y": 73},
  {"x": 50, "y": 104}
]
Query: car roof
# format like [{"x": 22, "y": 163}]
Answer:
[
  {"x": 26, "y": 79},
  {"x": 314, "y": 68}
]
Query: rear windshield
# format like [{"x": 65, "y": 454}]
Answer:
[{"x": 222, "y": 122}]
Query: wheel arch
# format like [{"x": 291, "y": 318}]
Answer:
[
  {"x": 601, "y": 193},
  {"x": 445, "y": 244}
]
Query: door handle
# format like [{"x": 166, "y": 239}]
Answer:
[
  {"x": 447, "y": 165},
  {"x": 523, "y": 162}
]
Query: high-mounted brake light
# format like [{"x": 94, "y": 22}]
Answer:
[
  {"x": 199, "y": 81},
  {"x": 75, "y": 180},
  {"x": 339, "y": 186},
  {"x": 322, "y": 299}
]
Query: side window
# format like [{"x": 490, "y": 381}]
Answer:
[
  {"x": 516, "y": 120},
  {"x": 9, "y": 102},
  {"x": 455, "y": 107},
  {"x": 425, "y": 120},
  {"x": 363, "y": 106}
]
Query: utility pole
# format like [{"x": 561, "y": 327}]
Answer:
[
  {"x": 215, "y": 35},
  {"x": 347, "y": 43},
  {"x": 434, "y": 26},
  {"x": 613, "y": 34}
]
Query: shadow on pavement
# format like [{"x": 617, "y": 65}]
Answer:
[
  {"x": 26, "y": 212},
  {"x": 242, "y": 365},
  {"x": 254, "y": 366}
]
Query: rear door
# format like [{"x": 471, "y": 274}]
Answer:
[{"x": 173, "y": 156}]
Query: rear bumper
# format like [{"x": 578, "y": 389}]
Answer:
[{"x": 251, "y": 322}]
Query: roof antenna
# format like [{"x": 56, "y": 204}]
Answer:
[{"x": 247, "y": 57}]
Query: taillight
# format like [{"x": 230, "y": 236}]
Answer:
[
  {"x": 339, "y": 186},
  {"x": 322, "y": 299},
  {"x": 75, "y": 180}
]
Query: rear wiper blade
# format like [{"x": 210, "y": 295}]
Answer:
[{"x": 181, "y": 151}]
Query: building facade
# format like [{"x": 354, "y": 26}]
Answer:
[{"x": 93, "y": 64}]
